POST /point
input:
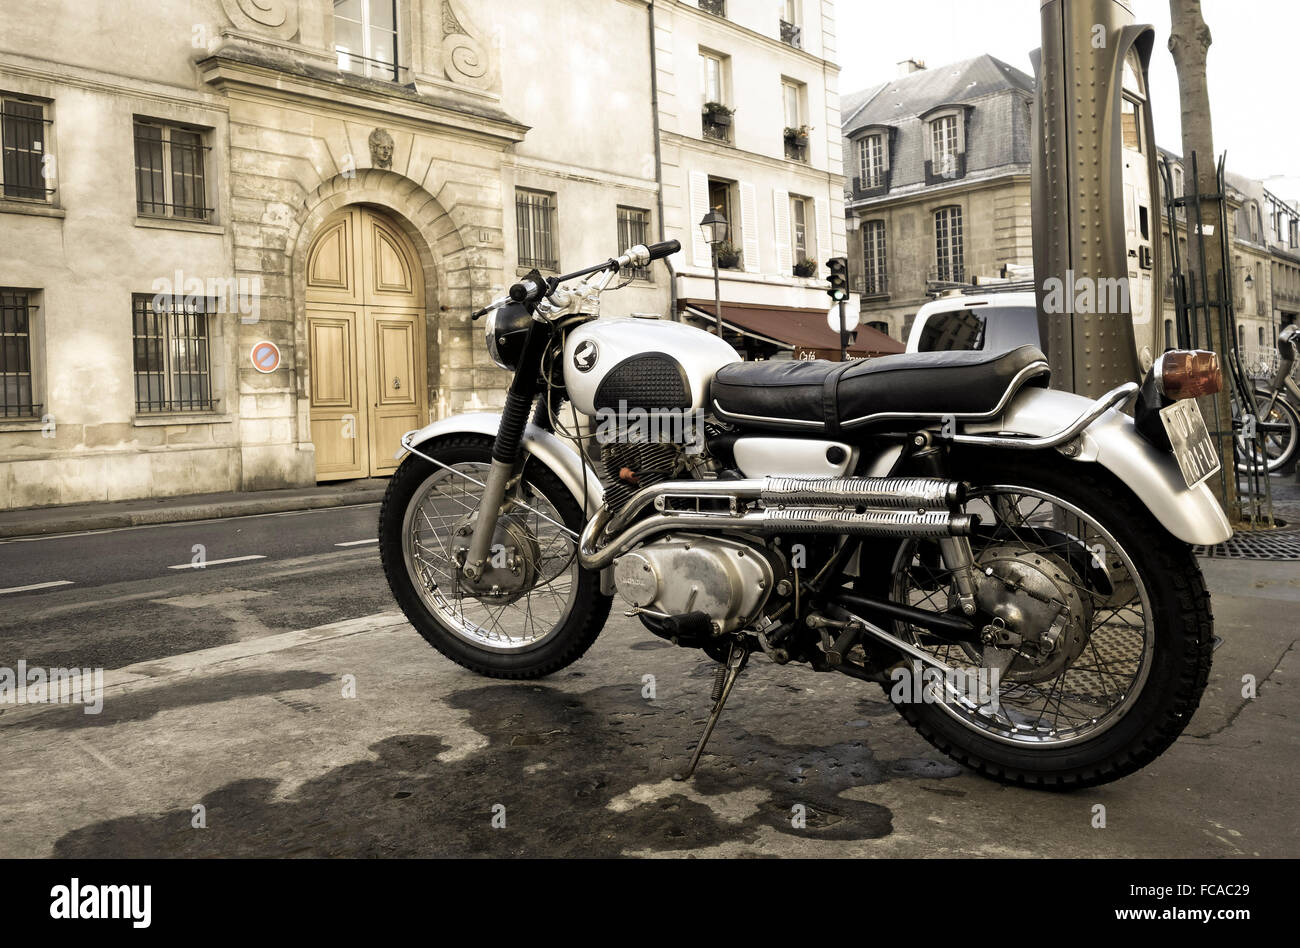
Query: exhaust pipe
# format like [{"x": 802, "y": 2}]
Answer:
[
  {"x": 876, "y": 493},
  {"x": 852, "y": 522}
]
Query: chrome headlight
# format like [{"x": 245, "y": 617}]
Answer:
[{"x": 506, "y": 329}]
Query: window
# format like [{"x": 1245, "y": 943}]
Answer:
[
  {"x": 791, "y": 34},
  {"x": 879, "y": 325},
  {"x": 172, "y": 365},
  {"x": 365, "y": 37},
  {"x": 633, "y": 229},
  {"x": 799, "y": 227},
  {"x": 535, "y": 218},
  {"x": 716, "y": 7},
  {"x": 711, "y": 77},
  {"x": 949, "y": 264},
  {"x": 871, "y": 162},
  {"x": 943, "y": 146},
  {"x": 796, "y": 132},
  {"x": 16, "y": 354},
  {"x": 1261, "y": 335},
  {"x": 1131, "y": 124},
  {"x": 169, "y": 171},
  {"x": 873, "y": 258},
  {"x": 22, "y": 150},
  {"x": 1169, "y": 334},
  {"x": 716, "y": 118},
  {"x": 720, "y": 200}
]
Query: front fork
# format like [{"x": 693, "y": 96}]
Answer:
[{"x": 507, "y": 448}]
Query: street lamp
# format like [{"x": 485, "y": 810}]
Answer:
[{"x": 714, "y": 228}]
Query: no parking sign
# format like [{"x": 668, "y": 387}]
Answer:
[{"x": 266, "y": 357}]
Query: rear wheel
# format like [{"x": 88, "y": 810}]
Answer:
[
  {"x": 535, "y": 610},
  {"x": 1102, "y": 623}
]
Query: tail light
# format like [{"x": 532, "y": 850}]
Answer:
[{"x": 1187, "y": 373}]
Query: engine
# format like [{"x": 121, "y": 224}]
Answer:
[{"x": 727, "y": 580}]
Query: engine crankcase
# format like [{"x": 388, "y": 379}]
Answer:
[{"x": 726, "y": 579}]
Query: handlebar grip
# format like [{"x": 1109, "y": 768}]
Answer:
[
  {"x": 521, "y": 291},
  {"x": 664, "y": 248}
]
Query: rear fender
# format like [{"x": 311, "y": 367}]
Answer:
[
  {"x": 1192, "y": 515},
  {"x": 551, "y": 450}
]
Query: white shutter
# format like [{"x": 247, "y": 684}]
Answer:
[
  {"x": 781, "y": 220},
  {"x": 824, "y": 252},
  {"x": 701, "y": 256},
  {"x": 749, "y": 225}
]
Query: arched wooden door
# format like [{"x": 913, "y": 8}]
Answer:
[{"x": 365, "y": 336}]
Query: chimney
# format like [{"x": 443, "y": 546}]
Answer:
[{"x": 909, "y": 66}]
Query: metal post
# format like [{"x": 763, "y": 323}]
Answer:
[
  {"x": 717, "y": 293},
  {"x": 844, "y": 335}
]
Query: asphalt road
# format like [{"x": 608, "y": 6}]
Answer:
[
  {"x": 235, "y": 700},
  {"x": 115, "y": 597}
]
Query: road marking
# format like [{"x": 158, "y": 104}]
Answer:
[
  {"x": 358, "y": 542},
  {"x": 207, "y": 563},
  {"x": 19, "y": 589}
]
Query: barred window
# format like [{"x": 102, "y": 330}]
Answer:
[
  {"x": 23, "y": 150},
  {"x": 171, "y": 344},
  {"x": 535, "y": 221},
  {"x": 16, "y": 390},
  {"x": 943, "y": 145},
  {"x": 633, "y": 229},
  {"x": 871, "y": 162},
  {"x": 950, "y": 266},
  {"x": 873, "y": 258},
  {"x": 365, "y": 37},
  {"x": 170, "y": 179}
]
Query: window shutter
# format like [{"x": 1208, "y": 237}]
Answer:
[
  {"x": 749, "y": 223},
  {"x": 781, "y": 219},
  {"x": 824, "y": 253},
  {"x": 701, "y": 256}
]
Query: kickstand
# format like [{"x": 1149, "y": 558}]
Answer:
[{"x": 723, "y": 682}]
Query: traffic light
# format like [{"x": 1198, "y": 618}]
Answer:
[{"x": 839, "y": 288}]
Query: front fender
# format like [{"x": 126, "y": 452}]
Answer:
[
  {"x": 1193, "y": 516},
  {"x": 550, "y": 449}
]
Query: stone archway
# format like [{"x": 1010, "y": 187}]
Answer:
[{"x": 442, "y": 259}]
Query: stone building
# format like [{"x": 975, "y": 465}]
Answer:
[
  {"x": 749, "y": 124},
  {"x": 188, "y": 188},
  {"x": 937, "y": 183}
]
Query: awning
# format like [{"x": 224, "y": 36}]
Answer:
[{"x": 804, "y": 331}]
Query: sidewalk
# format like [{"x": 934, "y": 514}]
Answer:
[{"x": 71, "y": 518}]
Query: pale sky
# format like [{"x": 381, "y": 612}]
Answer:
[{"x": 1253, "y": 72}]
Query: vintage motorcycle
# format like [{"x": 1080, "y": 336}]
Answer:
[{"x": 942, "y": 519}]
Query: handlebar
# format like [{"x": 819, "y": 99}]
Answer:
[{"x": 529, "y": 291}]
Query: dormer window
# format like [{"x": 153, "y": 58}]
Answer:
[
  {"x": 945, "y": 144},
  {"x": 870, "y": 161}
]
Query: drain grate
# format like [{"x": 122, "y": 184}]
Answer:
[{"x": 1280, "y": 544}]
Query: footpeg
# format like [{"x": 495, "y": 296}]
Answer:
[{"x": 723, "y": 682}]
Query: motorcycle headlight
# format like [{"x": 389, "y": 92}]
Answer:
[{"x": 505, "y": 330}]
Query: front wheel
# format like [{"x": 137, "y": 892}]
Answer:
[
  {"x": 1098, "y": 623},
  {"x": 535, "y": 609}
]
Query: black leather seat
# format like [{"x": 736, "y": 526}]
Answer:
[{"x": 889, "y": 391}]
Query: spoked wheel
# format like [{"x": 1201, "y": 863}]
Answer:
[
  {"x": 1098, "y": 634},
  {"x": 1278, "y": 428},
  {"x": 535, "y": 609}
]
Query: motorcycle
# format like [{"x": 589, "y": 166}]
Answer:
[{"x": 1009, "y": 562}]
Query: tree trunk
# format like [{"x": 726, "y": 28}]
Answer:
[{"x": 1189, "y": 42}]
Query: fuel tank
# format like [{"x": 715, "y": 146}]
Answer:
[{"x": 618, "y": 364}]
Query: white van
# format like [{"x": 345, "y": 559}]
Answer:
[{"x": 994, "y": 321}]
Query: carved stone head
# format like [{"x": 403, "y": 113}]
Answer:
[{"x": 381, "y": 149}]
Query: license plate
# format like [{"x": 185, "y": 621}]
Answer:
[{"x": 1195, "y": 451}]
